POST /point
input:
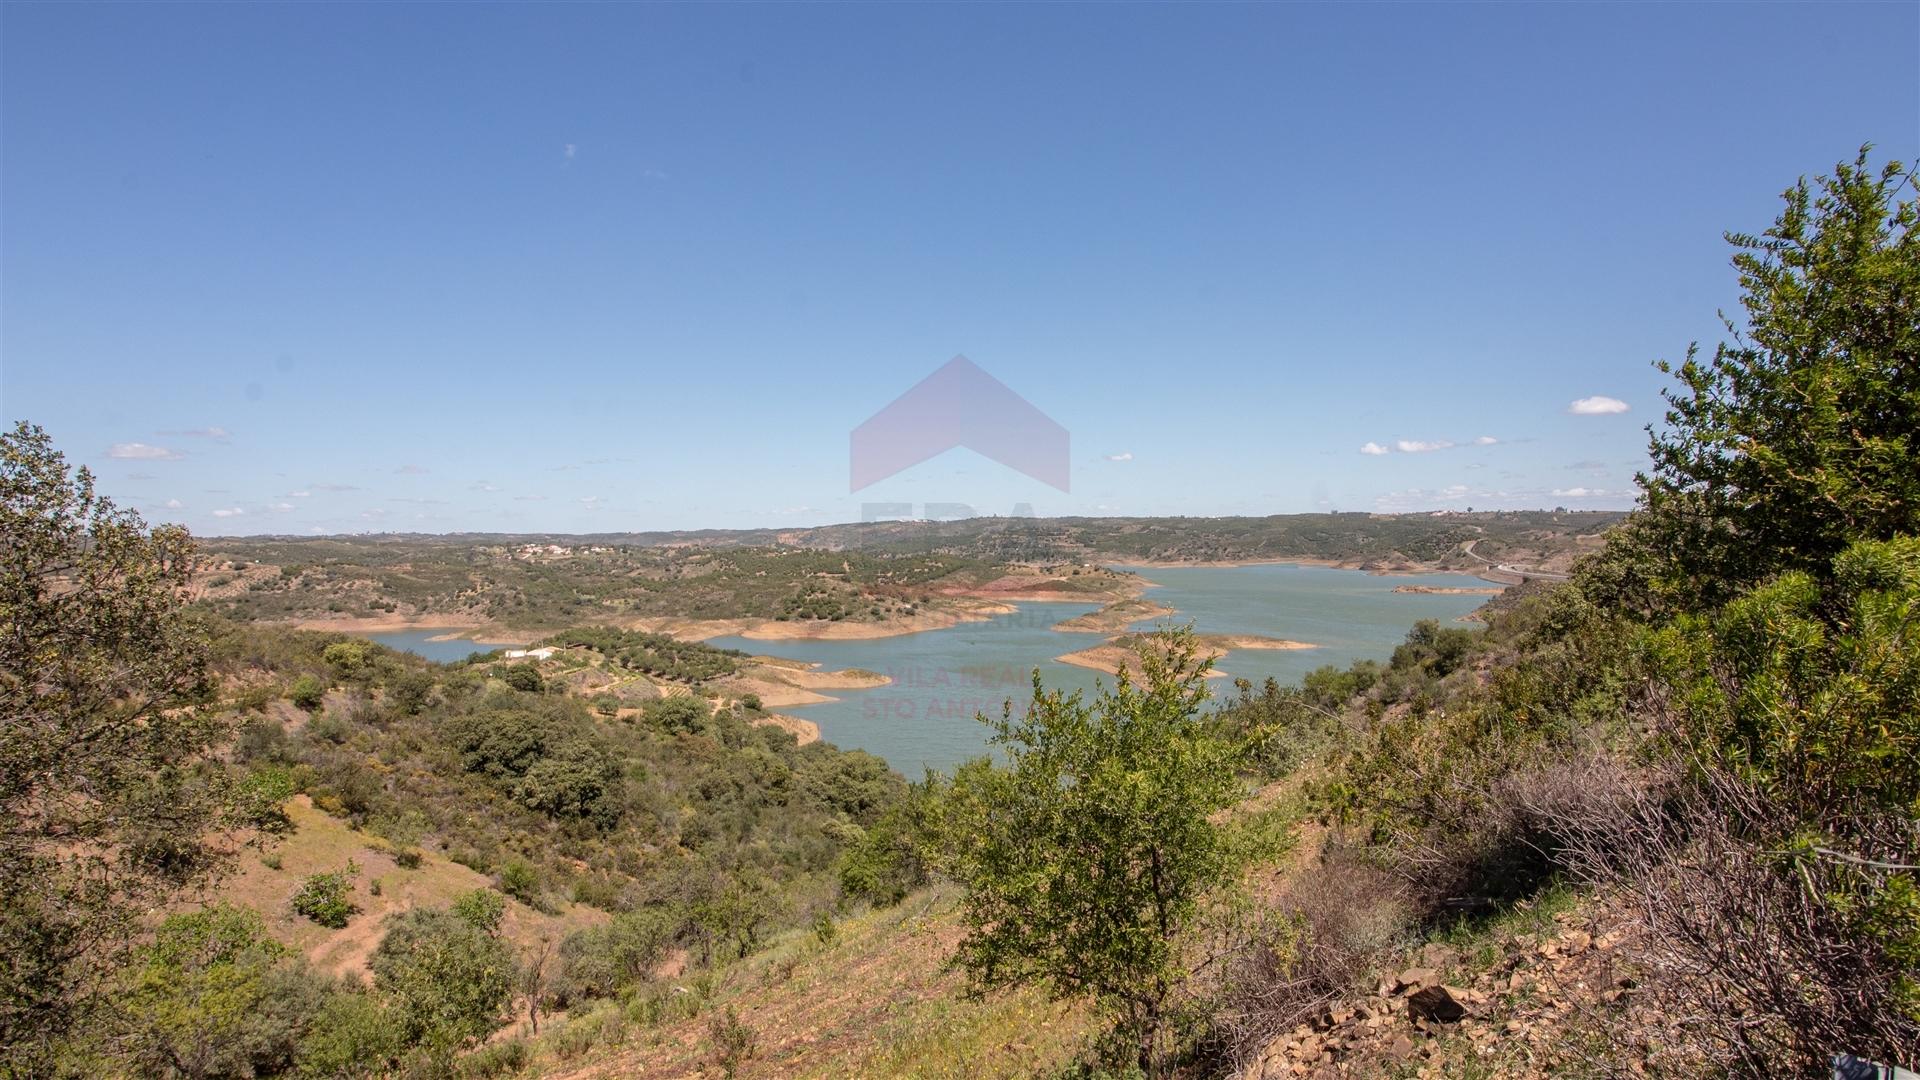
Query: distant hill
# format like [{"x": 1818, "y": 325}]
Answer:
[{"x": 866, "y": 572}]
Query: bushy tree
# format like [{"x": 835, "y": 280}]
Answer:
[
  {"x": 681, "y": 713},
  {"x": 447, "y": 978},
  {"x": 213, "y": 996},
  {"x": 577, "y": 779},
  {"x": 1802, "y": 433},
  {"x": 523, "y": 676},
  {"x": 600, "y": 960},
  {"x": 355, "y": 1034},
  {"x": 1087, "y": 854},
  {"x": 108, "y": 802}
]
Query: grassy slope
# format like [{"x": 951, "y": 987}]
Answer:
[
  {"x": 876, "y": 1001},
  {"x": 322, "y": 843}
]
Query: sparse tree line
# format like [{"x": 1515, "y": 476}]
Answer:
[{"x": 654, "y": 654}]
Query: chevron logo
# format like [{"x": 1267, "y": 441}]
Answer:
[{"x": 959, "y": 405}]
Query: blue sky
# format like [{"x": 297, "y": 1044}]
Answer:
[{"x": 431, "y": 267}]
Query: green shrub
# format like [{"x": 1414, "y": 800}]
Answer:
[
  {"x": 682, "y": 713},
  {"x": 307, "y": 692},
  {"x": 353, "y": 1035},
  {"x": 213, "y": 995},
  {"x": 600, "y": 961},
  {"x": 520, "y": 879},
  {"x": 327, "y": 898},
  {"x": 481, "y": 908},
  {"x": 448, "y": 980},
  {"x": 523, "y": 676}
]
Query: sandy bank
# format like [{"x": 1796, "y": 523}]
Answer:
[
  {"x": 1446, "y": 590},
  {"x": 1113, "y": 618},
  {"x": 476, "y": 630},
  {"x": 781, "y": 683},
  {"x": 1115, "y": 653},
  {"x": 817, "y": 630},
  {"x": 804, "y": 731}
]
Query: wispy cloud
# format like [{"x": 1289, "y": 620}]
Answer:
[
  {"x": 1422, "y": 446},
  {"x": 218, "y": 434},
  {"x": 231, "y": 512},
  {"x": 1597, "y": 405},
  {"x": 568, "y": 150},
  {"x": 484, "y": 486},
  {"x": 1374, "y": 449},
  {"x": 139, "y": 451},
  {"x": 529, "y": 498},
  {"x": 411, "y": 470},
  {"x": 174, "y": 504},
  {"x": 280, "y": 507},
  {"x": 1124, "y": 455},
  {"x": 1485, "y": 440},
  {"x": 335, "y": 487},
  {"x": 298, "y": 494},
  {"x": 1580, "y": 493}
]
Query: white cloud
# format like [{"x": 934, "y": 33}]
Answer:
[
  {"x": 1597, "y": 405},
  {"x": 174, "y": 504},
  {"x": 1124, "y": 455},
  {"x": 1421, "y": 446},
  {"x": 1580, "y": 492},
  {"x": 568, "y": 149},
  {"x": 299, "y": 494},
  {"x": 280, "y": 507},
  {"x": 1373, "y": 449},
  {"x": 139, "y": 451},
  {"x": 1485, "y": 440},
  {"x": 411, "y": 470},
  {"x": 218, "y": 433},
  {"x": 484, "y": 486},
  {"x": 529, "y": 498},
  {"x": 234, "y": 512},
  {"x": 335, "y": 487}
]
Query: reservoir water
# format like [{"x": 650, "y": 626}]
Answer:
[
  {"x": 942, "y": 678},
  {"x": 419, "y": 641}
]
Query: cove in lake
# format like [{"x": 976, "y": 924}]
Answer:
[
  {"x": 418, "y": 642},
  {"x": 942, "y": 678}
]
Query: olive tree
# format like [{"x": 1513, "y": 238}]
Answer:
[
  {"x": 1087, "y": 854},
  {"x": 108, "y": 799}
]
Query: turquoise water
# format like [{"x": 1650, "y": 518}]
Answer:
[
  {"x": 415, "y": 641},
  {"x": 942, "y": 678}
]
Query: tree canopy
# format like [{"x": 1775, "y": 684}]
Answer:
[{"x": 106, "y": 803}]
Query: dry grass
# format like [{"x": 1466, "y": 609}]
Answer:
[
  {"x": 322, "y": 843},
  {"x": 876, "y": 1001}
]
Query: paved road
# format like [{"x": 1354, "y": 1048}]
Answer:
[{"x": 1522, "y": 572}]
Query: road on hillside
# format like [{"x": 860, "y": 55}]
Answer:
[{"x": 1522, "y": 572}]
